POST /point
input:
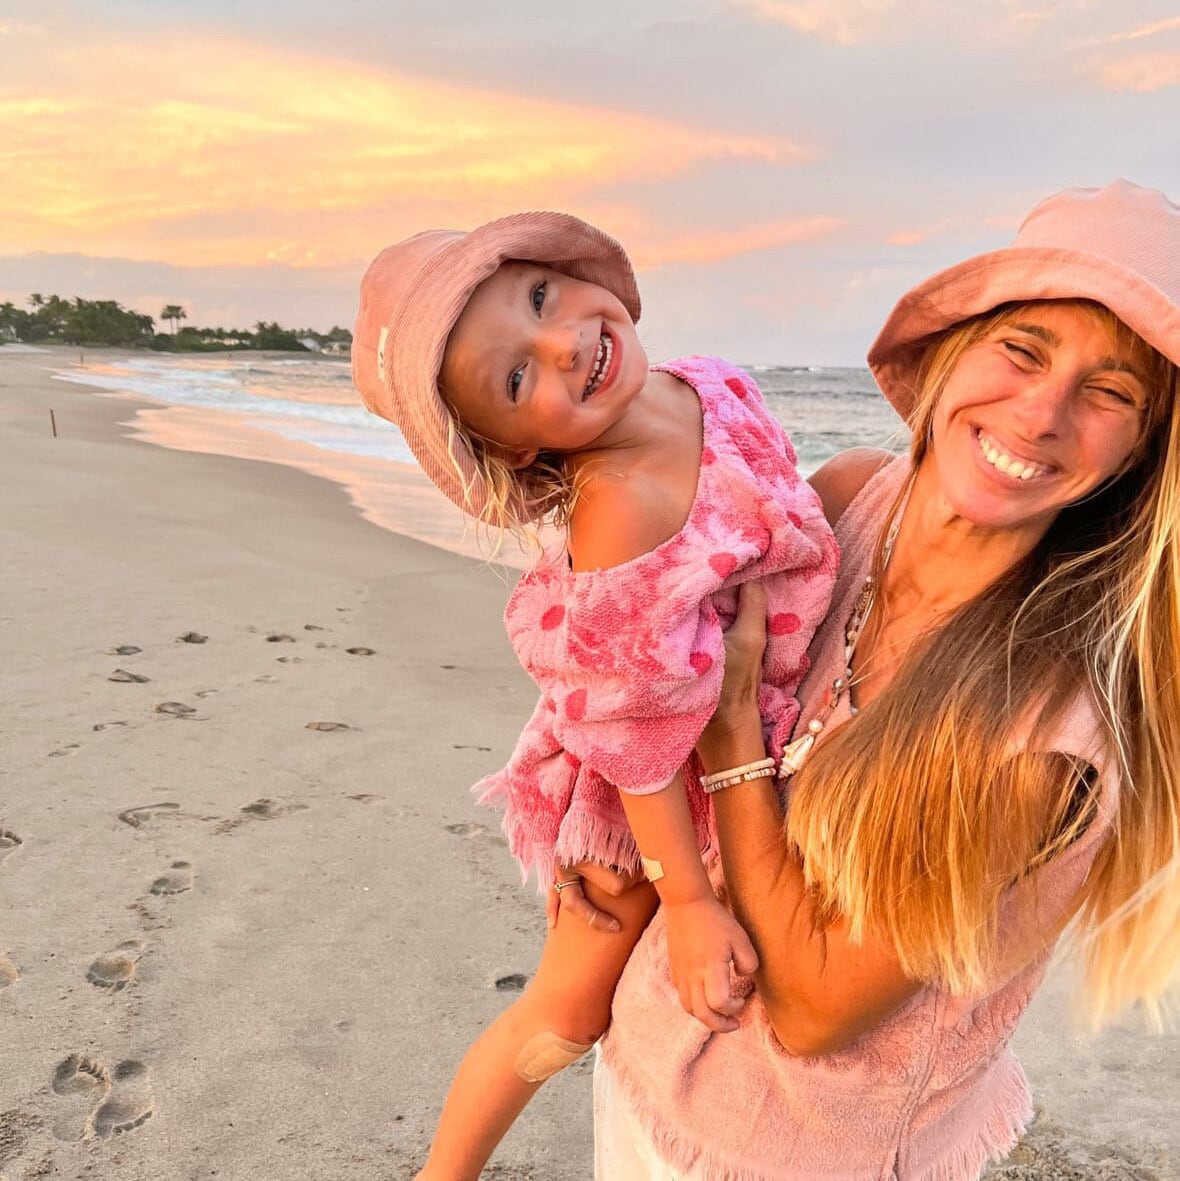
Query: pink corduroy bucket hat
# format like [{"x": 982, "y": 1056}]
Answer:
[
  {"x": 1118, "y": 246},
  {"x": 411, "y": 296}
]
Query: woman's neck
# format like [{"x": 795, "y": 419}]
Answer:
[{"x": 941, "y": 559}]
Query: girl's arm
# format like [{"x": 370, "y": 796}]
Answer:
[
  {"x": 614, "y": 520},
  {"x": 704, "y": 938},
  {"x": 821, "y": 991}
]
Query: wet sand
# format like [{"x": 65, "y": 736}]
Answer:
[{"x": 237, "y": 947}]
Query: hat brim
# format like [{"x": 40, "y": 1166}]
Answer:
[{"x": 1014, "y": 274}]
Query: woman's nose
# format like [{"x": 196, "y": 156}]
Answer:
[{"x": 1041, "y": 409}]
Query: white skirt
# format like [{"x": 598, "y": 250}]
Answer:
[{"x": 622, "y": 1148}]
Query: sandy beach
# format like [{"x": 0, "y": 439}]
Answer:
[{"x": 237, "y": 947}]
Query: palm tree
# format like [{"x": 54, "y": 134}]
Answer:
[{"x": 173, "y": 312}]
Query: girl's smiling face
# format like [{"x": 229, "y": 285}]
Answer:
[
  {"x": 540, "y": 361},
  {"x": 1044, "y": 408}
]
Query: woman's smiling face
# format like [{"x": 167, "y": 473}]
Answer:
[{"x": 1038, "y": 413}]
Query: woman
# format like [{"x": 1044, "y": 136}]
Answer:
[{"x": 989, "y": 741}]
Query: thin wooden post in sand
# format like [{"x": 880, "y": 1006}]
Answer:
[{"x": 53, "y": 423}]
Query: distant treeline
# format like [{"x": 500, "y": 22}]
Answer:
[{"x": 50, "y": 319}]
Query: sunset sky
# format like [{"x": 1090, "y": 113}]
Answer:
[{"x": 781, "y": 170}]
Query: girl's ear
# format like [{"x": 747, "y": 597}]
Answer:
[{"x": 518, "y": 459}]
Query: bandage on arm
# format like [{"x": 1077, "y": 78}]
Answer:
[{"x": 662, "y": 826}]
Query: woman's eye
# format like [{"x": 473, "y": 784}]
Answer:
[
  {"x": 538, "y": 296},
  {"x": 1117, "y": 395},
  {"x": 1019, "y": 350},
  {"x": 514, "y": 382}
]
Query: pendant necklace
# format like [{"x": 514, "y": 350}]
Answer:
[{"x": 795, "y": 753}]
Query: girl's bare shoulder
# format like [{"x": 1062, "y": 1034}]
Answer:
[{"x": 844, "y": 475}]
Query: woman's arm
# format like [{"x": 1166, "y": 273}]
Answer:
[{"x": 821, "y": 991}]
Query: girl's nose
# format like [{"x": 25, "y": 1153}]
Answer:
[{"x": 560, "y": 344}]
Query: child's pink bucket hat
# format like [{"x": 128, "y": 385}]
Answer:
[
  {"x": 411, "y": 296},
  {"x": 1118, "y": 246}
]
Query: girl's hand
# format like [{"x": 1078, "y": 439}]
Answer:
[
  {"x": 573, "y": 898},
  {"x": 737, "y": 709},
  {"x": 704, "y": 941}
]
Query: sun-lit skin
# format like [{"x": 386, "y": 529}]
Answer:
[
  {"x": 1049, "y": 395},
  {"x": 525, "y": 365}
]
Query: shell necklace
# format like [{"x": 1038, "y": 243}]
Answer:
[{"x": 795, "y": 753}]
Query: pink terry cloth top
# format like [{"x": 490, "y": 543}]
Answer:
[
  {"x": 629, "y": 659},
  {"x": 932, "y": 1092}
]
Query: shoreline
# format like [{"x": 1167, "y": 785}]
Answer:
[
  {"x": 394, "y": 496},
  {"x": 292, "y": 999}
]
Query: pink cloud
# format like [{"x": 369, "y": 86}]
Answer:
[{"x": 704, "y": 246}]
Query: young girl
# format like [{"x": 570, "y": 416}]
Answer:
[{"x": 509, "y": 358}]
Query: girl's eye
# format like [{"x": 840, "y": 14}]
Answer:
[
  {"x": 538, "y": 296},
  {"x": 514, "y": 382}
]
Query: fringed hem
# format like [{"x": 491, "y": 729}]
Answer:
[
  {"x": 1000, "y": 1133},
  {"x": 680, "y": 1154},
  {"x": 585, "y": 835},
  {"x": 1010, "y": 1115}
]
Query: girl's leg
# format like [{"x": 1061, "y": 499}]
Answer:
[{"x": 569, "y": 998}]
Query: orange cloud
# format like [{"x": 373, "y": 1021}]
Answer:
[
  {"x": 1152, "y": 30},
  {"x": 209, "y": 151},
  {"x": 843, "y": 21},
  {"x": 1144, "y": 72}
]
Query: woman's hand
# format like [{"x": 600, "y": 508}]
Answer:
[
  {"x": 737, "y": 709},
  {"x": 704, "y": 940},
  {"x": 572, "y": 897}
]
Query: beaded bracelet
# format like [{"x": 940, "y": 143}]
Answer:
[{"x": 746, "y": 773}]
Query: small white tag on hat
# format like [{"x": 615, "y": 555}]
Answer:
[{"x": 381, "y": 353}]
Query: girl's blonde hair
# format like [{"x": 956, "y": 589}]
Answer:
[
  {"x": 544, "y": 484},
  {"x": 916, "y": 821}
]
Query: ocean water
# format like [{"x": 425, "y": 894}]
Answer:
[{"x": 303, "y": 411}]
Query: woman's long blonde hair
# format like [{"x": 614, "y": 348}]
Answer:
[{"x": 916, "y": 821}]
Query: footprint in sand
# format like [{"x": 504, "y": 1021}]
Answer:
[
  {"x": 123, "y": 650},
  {"x": 268, "y": 809},
  {"x": 466, "y": 829},
  {"x": 84, "y": 1083},
  {"x": 139, "y": 815},
  {"x": 102, "y": 1104},
  {"x": 263, "y": 809},
  {"x": 191, "y": 638},
  {"x": 176, "y": 708},
  {"x": 176, "y": 880},
  {"x": 121, "y": 674},
  {"x": 9, "y": 973},
  {"x": 100, "y": 726},
  {"x": 64, "y": 751},
  {"x": 115, "y": 969},
  {"x": 8, "y": 842},
  {"x": 129, "y": 1103}
]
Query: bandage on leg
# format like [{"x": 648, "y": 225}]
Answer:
[{"x": 544, "y": 1054}]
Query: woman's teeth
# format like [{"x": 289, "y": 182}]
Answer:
[
  {"x": 1016, "y": 468},
  {"x": 606, "y": 349}
]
